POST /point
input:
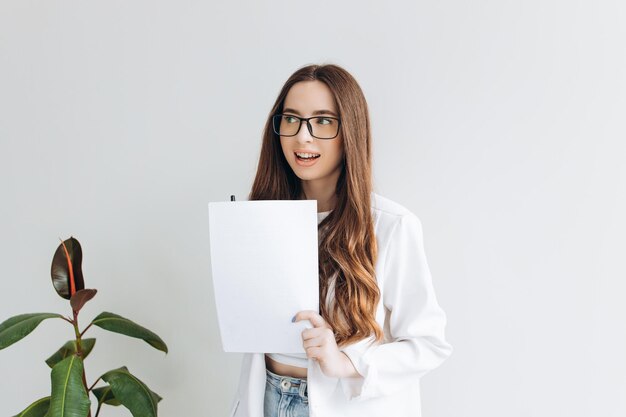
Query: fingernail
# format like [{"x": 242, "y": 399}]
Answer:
[{"x": 293, "y": 319}]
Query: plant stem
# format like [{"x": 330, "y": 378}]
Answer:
[
  {"x": 79, "y": 347},
  {"x": 94, "y": 384},
  {"x": 98, "y": 409},
  {"x": 86, "y": 328},
  {"x": 79, "y": 351}
]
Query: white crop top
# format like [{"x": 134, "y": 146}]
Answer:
[{"x": 297, "y": 359}]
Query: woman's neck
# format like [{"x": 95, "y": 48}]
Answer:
[{"x": 323, "y": 192}]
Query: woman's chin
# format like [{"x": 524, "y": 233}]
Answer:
[{"x": 306, "y": 176}]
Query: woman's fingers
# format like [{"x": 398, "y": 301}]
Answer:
[
  {"x": 323, "y": 333},
  {"x": 313, "y": 343},
  {"x": 320, "y": 340},
  {"x": 313, "y": 352},
  {"x": 312, "y": 316}
]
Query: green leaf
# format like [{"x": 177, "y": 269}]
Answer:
[
  {"x": 18, "y": 327},
  {"x": 132, "y": 393},
  {"x": 37, "y": 409},
  {"x": 69, "y": 348},
  {"x": 69, "y": 396},
  {"x": 105, "y": 395},
  {"x": 118, "y": 324},
  {"x": 80, "y": 297},
  {"x": 66, "y": 270}
]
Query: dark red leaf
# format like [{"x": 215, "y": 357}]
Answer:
[
  {"x": 79, "y": 299},
  {"x": 67, "y": 275}
]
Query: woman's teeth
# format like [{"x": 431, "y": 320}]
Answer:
[{"x": 307, "y": 155}]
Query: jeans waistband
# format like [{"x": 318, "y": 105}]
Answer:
[{"x": 288, "y": 384}]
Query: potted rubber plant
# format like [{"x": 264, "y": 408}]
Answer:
[{"x": 70, "y": 391}]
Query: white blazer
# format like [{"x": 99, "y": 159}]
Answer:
[{"x": 413, "y": 325}]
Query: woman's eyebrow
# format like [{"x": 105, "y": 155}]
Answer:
[{"x": 315, "y": 112}]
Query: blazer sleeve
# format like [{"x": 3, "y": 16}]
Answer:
[{"x": 416, "y": 321}]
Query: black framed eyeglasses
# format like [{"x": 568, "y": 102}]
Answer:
[{"x": 320, "y": 127}]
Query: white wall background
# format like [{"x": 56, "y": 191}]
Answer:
[{"x": 499, "y": 123}]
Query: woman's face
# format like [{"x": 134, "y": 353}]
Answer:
[{"x": 308, "y": 99}]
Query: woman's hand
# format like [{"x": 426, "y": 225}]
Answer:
[{"x": 320, "y": 345}]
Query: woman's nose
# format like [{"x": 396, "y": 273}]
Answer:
[{"x": 304, "y": 136}]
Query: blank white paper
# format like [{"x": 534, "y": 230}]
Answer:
[{"x": 265, "y": 269}]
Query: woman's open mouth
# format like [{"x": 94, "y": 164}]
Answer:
[{"x": 306, "y": 158}]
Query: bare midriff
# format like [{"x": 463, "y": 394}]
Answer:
[{"x": 284, "y": 369}]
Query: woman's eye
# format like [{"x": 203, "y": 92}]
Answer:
[
  {"x": 290, "y": 119},
  {"x": 324, "y": 121}
]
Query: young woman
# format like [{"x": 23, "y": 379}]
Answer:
[{"x": 379, "y": 328}]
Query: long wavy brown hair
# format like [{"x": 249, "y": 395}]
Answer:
[{"x": 347, "y": 246}]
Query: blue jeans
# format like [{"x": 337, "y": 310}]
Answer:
[{"x": 285, "y": 396}]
